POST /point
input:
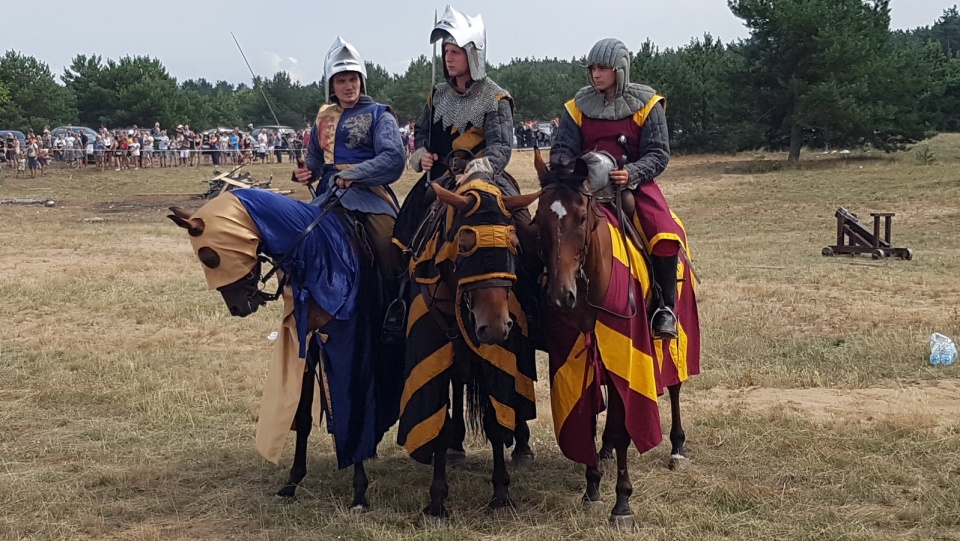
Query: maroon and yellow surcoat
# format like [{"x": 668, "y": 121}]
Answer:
[{"x": 654, "y": 220}]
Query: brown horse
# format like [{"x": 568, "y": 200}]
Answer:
[
  {"x": 466, "y": 326},
  {"x": 322, "y": 264},
  {"x": 597, "y": 286}
]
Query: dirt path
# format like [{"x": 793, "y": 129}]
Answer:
[{"x": 928, "y": 404}]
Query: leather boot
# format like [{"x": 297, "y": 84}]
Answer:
[{"x": 663, "y": 323}]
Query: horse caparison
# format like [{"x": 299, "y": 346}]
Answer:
[
  {"x": 244, "y": 296},
  {"x": 467, "y": 303},
  {"x": 576, "y": 248}
]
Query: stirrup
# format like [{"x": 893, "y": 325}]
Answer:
[
  {"x": 664, "y": 334},
  {"x": 395, "y": 323}
]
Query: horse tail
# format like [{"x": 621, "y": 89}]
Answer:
[{"x": 476, "y": 405}]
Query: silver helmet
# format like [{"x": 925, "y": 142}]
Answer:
[
  {"x": 612, "y": 53},
  {"x": 343, "y": 57},
  {"x": 466, "y": 32}
]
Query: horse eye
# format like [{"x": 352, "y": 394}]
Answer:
[{"x": 209, "y": 257}]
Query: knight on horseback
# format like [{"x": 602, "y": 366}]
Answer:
[
  {"x": 613, "y": 108},
  {"x": 355, "y": 152},
  {"x": 468, "y": 111}
]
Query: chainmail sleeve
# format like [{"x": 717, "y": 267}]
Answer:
[
  {"x": 566, "y": 145},
  {"x": 654, "y": 149},
  {"x": 498, "y": 128}
]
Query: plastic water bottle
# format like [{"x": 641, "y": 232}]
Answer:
[{"x": 942, "y": 349}]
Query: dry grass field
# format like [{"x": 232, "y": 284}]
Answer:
[{"x": 128, "y": 395}]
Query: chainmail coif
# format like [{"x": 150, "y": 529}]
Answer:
[{"x": 468, "y": 109}]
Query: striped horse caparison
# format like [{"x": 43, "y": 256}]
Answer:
[
  {"x": 597, "y": 332},
  {"x": 465, "y": 324}
]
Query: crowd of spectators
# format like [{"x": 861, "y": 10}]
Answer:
[{"x": 135, "y": 148}]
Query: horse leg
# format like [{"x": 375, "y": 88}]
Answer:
[
  {"x": 439, "y": 490},
  {"x": 522, "y": 453},
  {"x": 621, "y": 517},
  {"x": 677, "y": 436},
  {"x": 360, "y": 483},
  {"x": 501, "y": 477},
  {"x": 592, "y": 496},
  {"x": 303, "y": 423},
  {"x": 458, "y": 427}
]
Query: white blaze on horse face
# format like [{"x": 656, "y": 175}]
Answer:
[{"x": 558, "y": 209}]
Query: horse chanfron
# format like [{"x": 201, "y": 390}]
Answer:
[
  {"x": 486, "y": 260},
  {"x": 224, "y": 239}
]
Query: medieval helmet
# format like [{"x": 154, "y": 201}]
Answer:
[
  {"x": 612, "y": 53},
  {"x": 343, "y": 57},
  {"x": 466, "y": 32}
]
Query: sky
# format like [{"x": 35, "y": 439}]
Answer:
[{"x": 192, "y": 38}]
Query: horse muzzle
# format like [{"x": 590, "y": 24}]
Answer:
[
  {"x": 562, "y": 297},
  {"x": 244, "y": 297}
]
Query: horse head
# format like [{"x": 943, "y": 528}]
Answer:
[
  {"x": 225, "y": 240},
  {"x": 565, "y": 221},
  {"x": 486, "y": 243}
]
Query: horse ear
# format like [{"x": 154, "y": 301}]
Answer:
[
  {"x": 194, "y": 226},
  {"x": 542, "y": 172},
  {"x": 180, "y": 212},
  {"x": 455, "y": 200},
  {"x": 515, "y": 202}
]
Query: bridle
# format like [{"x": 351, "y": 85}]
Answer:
[
  {"x": 580, "y": 274},
  {"x": 589, "y": 232}
]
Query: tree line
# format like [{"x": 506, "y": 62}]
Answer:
[{"x": 811, "y": 73}]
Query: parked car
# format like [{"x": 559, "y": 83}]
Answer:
[{"x": 62, "y": 130}]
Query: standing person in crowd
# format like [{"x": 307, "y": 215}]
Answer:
[
  {"x": 163, "y": 146},
  {"x": 355, "y": 150},
  {"x": 32, "y": 150},
  {"x": 612, "y": 106},
  {"x": 262, "y": 145},
  {"x": 98, "y": 150},
  {"x": 465, "y": 111},
  {"x": 146, "y": 149},
  {"x": 134, "y": 146},
  {"x": 123, "y": 151}
]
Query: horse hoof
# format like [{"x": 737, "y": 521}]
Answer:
[
  {"x": 431, "y": 519},
  {"x": 359, "y": 508},
  {"x": 497, "y": 504},
  {"x": 592, "y": 504},
  {"x": 677, "y": 462},
  {"x": 456, "y": 456},
  {"x": 288, "y": 491},
  {"x": 623, "y": 523},
  {"x": 283, "y": 499},
  {"x": 523, "y": 459}
]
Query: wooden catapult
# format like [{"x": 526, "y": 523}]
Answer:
[{"x": 855, "y": 239}]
